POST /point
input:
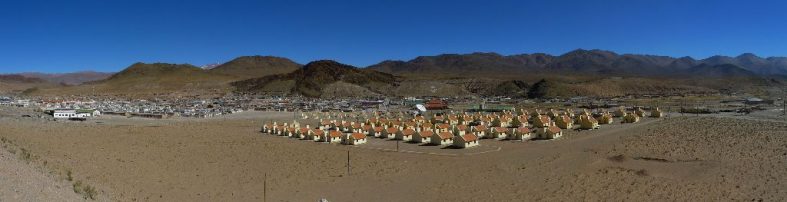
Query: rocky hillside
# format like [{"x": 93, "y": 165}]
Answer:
[
  {"x": 315, "y": 77},
  {"x": 247, "y": 67}
]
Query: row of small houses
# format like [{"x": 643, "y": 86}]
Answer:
[
  {"x": 460, "y": 130},
  {"x": 443, "y": 137}
]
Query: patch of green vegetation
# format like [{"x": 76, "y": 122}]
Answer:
[
  {"x": 30, "y": 91},
  {"x": 87, "y": 191},
  {"x": 68, "y": 176},
  {"x": 25, "y": 155}
]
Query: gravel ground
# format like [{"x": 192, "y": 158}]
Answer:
[
  {"x": 226, "y": 159},
  {"x": 23, "y": 182}
]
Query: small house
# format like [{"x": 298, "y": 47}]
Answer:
[
  {"x": 606, "y": 118},
  {"x": 405, "y": 135},
  {"x": 656, "y": 113},
  {"x": 391, "y": 132},
  {"x": 552, "y": 132},
  {"x": 479, "y": 130},
  {"x": 540, "y": 121},
  {"x": 379, "y": 132},
  {"x": 335, "y": 136},
  {"x": 443, "y": 138},
  {"x": 630, "y": 118},
  {"x": 621, "y": 112},
  {"x": 466, "y": 141},
  {"x": 521, "y": 133},
  {"x": 319, "y": 135},
  {"x": 564, "y": 122},
  {"x": 354, "y": 139},
  {"x": 587, "y": 122},
  {"x": 461, "y": 129},
  {"x": 499, "y": 133},
  {"x": 423, "y": 136}
]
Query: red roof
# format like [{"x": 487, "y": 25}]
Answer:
[
  {"x": 545, "y": 120},
  {"x": 427, "y": 133},
  {"x": 469, "y": 137},
  {"x": 408, "y": 132},
  {"x": 436, "y": 104},
  {"x": 446, "y": 135},
  {"x": 554, "y": 129},
  {"x": 335, "y": 133},
  {"x": 358, "y": 136}
]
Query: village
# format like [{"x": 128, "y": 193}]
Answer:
[
  {"x": 80, "y": 108},
  {"x": 450, "y": 129},
  {"x": 382, "y": 138}
]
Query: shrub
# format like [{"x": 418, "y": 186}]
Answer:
[{"x": 87, "y": 191}]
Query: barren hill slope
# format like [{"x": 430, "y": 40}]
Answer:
[
  {"x": 149, "y": 79},
  {"x": 314, "y": 77},
  {"x": 247, "y": 67},
  {"x": 15, "y": 83},
  {"x": 74, "y": 78}
]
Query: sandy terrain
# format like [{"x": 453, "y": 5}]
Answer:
[
  {"x": 226, "y": 159},
  {"x": 24, "y": 182}
]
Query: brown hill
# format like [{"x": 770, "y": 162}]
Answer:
[
  {"x": 315, "y": 77},
  {"x": 75, "y": 78},
  {"x": 247, "y": 67},
  {"x": 18, "y": 78},
  {"x": 151, "y": 79},
  {"x": 15, "y": 83}
]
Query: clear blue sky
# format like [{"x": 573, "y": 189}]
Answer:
[{"x": 109, "y": 35}]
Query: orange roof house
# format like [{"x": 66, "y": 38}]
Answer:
[
  {"x": 443, "y": 138},
  {"x": 466, "y": 141}
]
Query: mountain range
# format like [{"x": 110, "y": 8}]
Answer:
[
  {"x": 593, "y": 62},
  {"x": 579, "y": 72}
]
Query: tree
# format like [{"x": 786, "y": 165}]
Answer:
[
  {"x": 515, "y": 122},
  {"x": 496, "y": 122}
]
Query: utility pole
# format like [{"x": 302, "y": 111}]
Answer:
[
  {"x": 265, "y": 188},
  {"x": 348, "y": 162}
]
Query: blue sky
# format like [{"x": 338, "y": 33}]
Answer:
[{"x": 66, "y": 36}]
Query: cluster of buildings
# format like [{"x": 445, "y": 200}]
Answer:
[
  {"x": 459, "y": 130},
  {"x": 9, "y": 101}
]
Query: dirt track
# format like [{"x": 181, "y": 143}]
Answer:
[{"x": 227, "y": 159}]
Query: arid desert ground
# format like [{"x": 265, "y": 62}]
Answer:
[{"x": 679, "y": 158}]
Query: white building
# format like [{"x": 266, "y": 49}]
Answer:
[{"x": 64, "y": 113}]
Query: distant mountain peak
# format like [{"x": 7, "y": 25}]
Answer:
[
  {"x": 748, "y": 55},
  {"x": 210, "y": 66}
]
